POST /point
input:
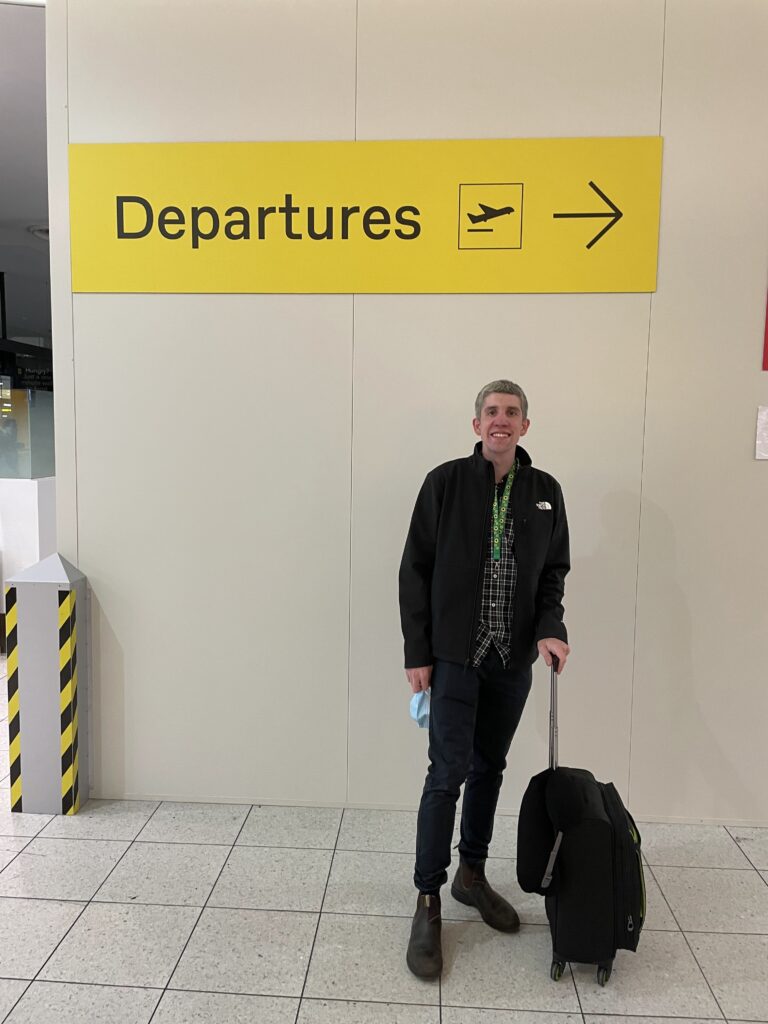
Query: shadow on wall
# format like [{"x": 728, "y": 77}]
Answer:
[
  {"x": 595, "y": 690},
  {"x": 666, "y": 654},
  {"x": 668, "y": 738},
  {"x": 107, "y": 710}
]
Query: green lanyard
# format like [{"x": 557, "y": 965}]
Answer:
[{"x": 500, "y": 514}]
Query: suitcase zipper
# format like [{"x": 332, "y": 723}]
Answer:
[
  {"x": 628, "y": 892},
  {"x": 636, "y": 839},
  {"x": 618, "y": 879},
  {"x": 642, "y": 888}
]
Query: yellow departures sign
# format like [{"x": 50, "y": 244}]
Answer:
[{"x": 488, "y": 215}]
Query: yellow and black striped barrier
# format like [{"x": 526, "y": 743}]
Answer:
[
  {"x": 47, "y": 695},
  {"x": 14, "y": 724},
  {"x": 70, "y": 797}
]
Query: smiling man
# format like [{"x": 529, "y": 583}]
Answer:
[{"x": 481, "y": 591}]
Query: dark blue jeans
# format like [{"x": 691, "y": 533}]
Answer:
[{"x": 473, "y": 716}]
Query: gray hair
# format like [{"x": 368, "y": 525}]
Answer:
[{"x": 501, "y": 387}]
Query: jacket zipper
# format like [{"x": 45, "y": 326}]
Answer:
[{"x": 483, "y": 539}]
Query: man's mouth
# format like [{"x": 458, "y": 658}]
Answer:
[{"x": 499, "y": 433}]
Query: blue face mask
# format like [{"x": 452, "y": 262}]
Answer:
[{"x": 420, "y": 708}]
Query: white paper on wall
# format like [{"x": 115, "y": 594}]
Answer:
[{"x": 761, "y": 445}]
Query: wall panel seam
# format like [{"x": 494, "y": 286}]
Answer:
[
  {"x": 663, "y": 52},
  {"x": 72, "y": 300},
  {"x": 357, "y": 53},
  {"x": 351, "y": 535},
  {"x": 351, "y": 465},
  {"x": 62, "y": 299},
  {"x": 642, "y": 456}
]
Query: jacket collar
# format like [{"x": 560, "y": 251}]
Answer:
[{"x": 484, "y": 465}]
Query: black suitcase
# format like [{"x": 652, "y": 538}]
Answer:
[{"x": 578, "y": 846}]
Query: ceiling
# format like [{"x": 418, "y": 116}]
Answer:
[{"x": 23, "y": 171}]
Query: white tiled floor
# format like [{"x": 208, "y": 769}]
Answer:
[{"x": 131, "y": 912}]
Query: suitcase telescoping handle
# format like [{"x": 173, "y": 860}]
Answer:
[
  {"x": 553, "y": 715},
  {"x": 547, "y": 879}
]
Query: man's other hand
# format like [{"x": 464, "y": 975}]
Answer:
[
  {"x": 419, "y": 678},
  {"x": 551, "y": 645}
]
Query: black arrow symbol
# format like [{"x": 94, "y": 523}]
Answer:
[{"x": 615, "y": 215}]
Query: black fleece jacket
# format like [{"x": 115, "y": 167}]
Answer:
[{"x": 441, "y": 569}]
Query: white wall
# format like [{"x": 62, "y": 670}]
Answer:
[
  {"x": 236, "y": 473},
  {"x": 701, "y": 704},
  {"x": 27, "y": 524}
]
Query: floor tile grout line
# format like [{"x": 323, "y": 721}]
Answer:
[
  {"x": 685, "y": 938},
  {"x": 66, "y": 933},
  {"x": 376, "y": 1002},
  {"x": 405, "y": 853},
  {"x": 255, "y": 846},
  {"x": 202, "y": 911},
  {"x": 700, "y": 867},
  {"x": 33, "y": 836},
  {"x": 601, "y": 1013},
  {"x": 86, "y": 904},
  {"x": 576, "y": 990},
  {"x": 21, "y": 996},
  {"x": 13, "y": 858},
  {"x": 319, "y": 919},
  {"x": 119, "y": 861},
  {"x": 219, "y": 992},
  {"x": 526, "y": 925},
  {"x": 743, "y": 851},
  {"x": 162, "y": 802},
  {"x": 746, "y": 935},
  {"x": 652, "y": 1016},
  {"x": 236, "y": 844},
  {"x": 181, "y": 842},
  {"x": 125, "y": 839},
  {"x": 56, "y": 817},
  {"x": 239, "y": 845},
  {"x": 90, "y": 984}
]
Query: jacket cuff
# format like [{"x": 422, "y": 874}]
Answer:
[
  {"x": 418, "y": 655},
  {"x": 551, "y": 627}
]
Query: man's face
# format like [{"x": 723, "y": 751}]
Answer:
[{"x": 501, "y": 424}]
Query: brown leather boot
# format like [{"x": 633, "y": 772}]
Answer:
[
  {"x": 425, "y": 953},
  {"x": 471, "y": 887}
]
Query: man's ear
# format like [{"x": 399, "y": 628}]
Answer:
[
  {"x": 524, "y": 428},
  {"x": 476, "y": 426}
]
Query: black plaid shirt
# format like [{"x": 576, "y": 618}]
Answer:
[{"x": 499, "y": 582}]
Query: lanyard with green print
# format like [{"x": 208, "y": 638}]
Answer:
[{"x": 500, "y": 513}]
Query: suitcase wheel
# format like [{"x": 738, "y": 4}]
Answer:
[
  {"x": 603, "y": 974},
  {"x": 557, "y": 969}
]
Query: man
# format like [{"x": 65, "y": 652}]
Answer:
[{"x": 481, "y": 589}]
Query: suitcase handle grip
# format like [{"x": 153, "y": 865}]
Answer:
[{"x": 553, "y": 736}]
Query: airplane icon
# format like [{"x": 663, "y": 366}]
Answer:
[
  {"x": 489, "y": 212},
  {"x": 494, "y": 223}
]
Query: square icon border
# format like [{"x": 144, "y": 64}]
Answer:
[{"x": 488, "y": 248}]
